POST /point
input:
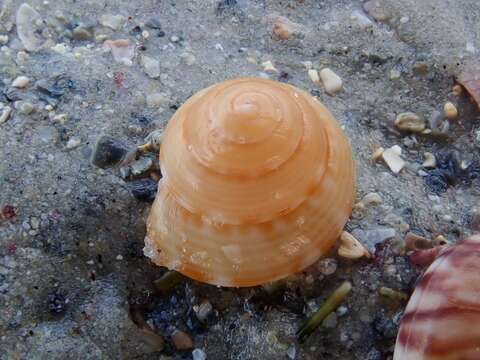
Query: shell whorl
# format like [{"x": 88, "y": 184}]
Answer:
[{"x": 249, "y": 168}]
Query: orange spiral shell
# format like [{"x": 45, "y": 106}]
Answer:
[{"x": 258, "y": 183}]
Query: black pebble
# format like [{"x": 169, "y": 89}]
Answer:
[
  {"x": 143, "y": 189},
  {"x": 108, "y": 152}
]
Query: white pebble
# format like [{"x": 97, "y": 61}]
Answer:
[
  {"x": 331, "y": 81},
  {"x": 430, "y": 161},
  {"x": 5, "y": 115},
  {"x": 3, "y": 39},
  {"x": 199, "y": 354},
  {"x": 21, "y": 82},
  {"x": 313, "y": 75},
  {"x": 119, "y": 257},
  {"x": 392, "y": 158},
  {"x": 268, "y": 67},
  {"x": 151, "y": 66},
  {"x": 73, "y": 142},
  {"x": 450, "y": 110}
]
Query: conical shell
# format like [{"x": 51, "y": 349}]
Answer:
[
  {"x": 442, "y": 318},
  {"x": 258, "y": 183}
]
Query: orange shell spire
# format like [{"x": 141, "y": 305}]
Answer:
[{"x": 258, "y": 183}]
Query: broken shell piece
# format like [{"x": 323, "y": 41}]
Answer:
[
  {"x": 430, "y": 162},
  {"x": 351, "y": 248},
  {"x": 470, "y": 80},
  {"x": 153, "y": 141},
  {"x": 457, "y": 90},
  {"x": 122, "y": 50},
  {"x": 258, "y": 184},
  {"x": 268, "y": 67},
  {"x": 372, "y": 199},
  {"x": 392, "y": 158},
  {"x": 440, "y": 240},
  {"x": 5, "y": 114},
  {"x": 27, "y": 20},
  {"x": 442, "y": 316}
]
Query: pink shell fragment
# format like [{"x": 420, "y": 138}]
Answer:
[{"x": 442, "y": 318}]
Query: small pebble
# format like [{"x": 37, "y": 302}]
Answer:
[
  {"x": 430, "y": 162},
  {"x": 410, "y": 121},
  {"x": 283, "y": 28},
  {"x": 375, "y": 9},
  {"x": 174, "y": 39},
  {"x": 395, "y": 74},
  {"x": 372, "y": 198},
  {"x": 331, "y": 81},
  {"x": 199, "y": 354},
  {"x": 313, "y": 75},
  {"x": 21, "y": 82},
  {"x": 141, "y": 166},
  {"x": 73, "y": 143},
  {"x": 187, "y": 58},
  {"x": 203, "y": 310},
  {"x": 123, "y": 50},
  {"x": 440, "y": 240},
  {"x": 327, "y": 266},
  {"x": 156, "y": 100},
  {"x": 5, "y": 115},
  {"x": 292, "y": 352},
  {"x": 24, "y": 107},
  {"x": 392, "y": 158},
  {"x": 151, "y": 66},
  {"x": 119, "y": 257},
  {"x": 268, "y": 67},
  {"x": 377, "y": 154},
  {"x": 182, "y": 340},
  {"x": 3, "y": 39},
  {"x": 363, "y": 21},
  {"x": 416, "y": 242},
  {"x": 450, "y": 111},
  {"x": 82, "y": 33},
  {"x": 114, "y": 22}
]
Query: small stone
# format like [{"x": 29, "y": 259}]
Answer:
[
  {"x": 34, "y": 223},
  {"x": 292, "y": 352},
  {"x": 119, "y": 257},
  {"x": 409, "y": 121},
  {"x": 416, "y": 242},
  {"x": 5, "y": 115},
  {"x": 375, "y": 9},
  {"x": 430, "y": 162},
  {"x": 283, "y": 28},
  {"x": 187, "y": 58},
  {"x": 141, "y": 166},
  {"x": 21, "y": 82},
  {"x": 377, "y": 154},
  {"x": 82, "y": 33},
  {"x": 145, "y": 34},
  {"x": 392, "y": 158},
  {"x": 124, "y": 172},
  {"x": 327, "y": 266},
  {"x": 29, "y": 23},
  {"x": 420, "y": 68},
  {"x": 450, "y": 110},
  {"x": 123, "y": 50},
  {"x": 3, "y": 39},
  {"x": 395, "y": 74},
  {"x": 73, "y": 143},
  {"x": 182, "y": 340},
  {"x": 308, "y": 64},
  {"x": 203, "y": 310},
  {"x": 157, "y": 100},
  {"x": 372, "y": 198},
  {"x": 24, "y": 107},
  {"x": 60, "y": 118},
  {"x": 313, "y": 75},
  {"x": 114, "y": 22},
  {"x": 440, "y": 240},
  {"x": 151, "y": 66},
  {"x": 331, "y": 81},
  {"x": 199, "y": 354},
  {"x": 174, "y": 39},
  {"x": 342, "y": 310},
  {"x": 268, "y": 67},
  {"x": 90, "y": 262},
  {"x": 143, "y": 189}
]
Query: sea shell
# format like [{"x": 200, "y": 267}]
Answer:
[
  {"x": 442, "y": 318},
  {"x": 258, "y": 182}
]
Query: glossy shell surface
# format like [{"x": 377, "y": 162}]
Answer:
[
  {"x": 258, "y": 183},
  {"x": 442, "y": 318}
]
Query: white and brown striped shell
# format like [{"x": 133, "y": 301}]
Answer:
[
  {"x": 442, "y": 318},
  {"x": 258, "y": 183}
]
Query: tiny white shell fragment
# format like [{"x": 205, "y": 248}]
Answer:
[{"x": 331, "y": 81}]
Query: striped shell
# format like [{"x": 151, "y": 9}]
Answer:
[
  {"x": 442, "y": 318},
  {"x": 258, "y": 182}
]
